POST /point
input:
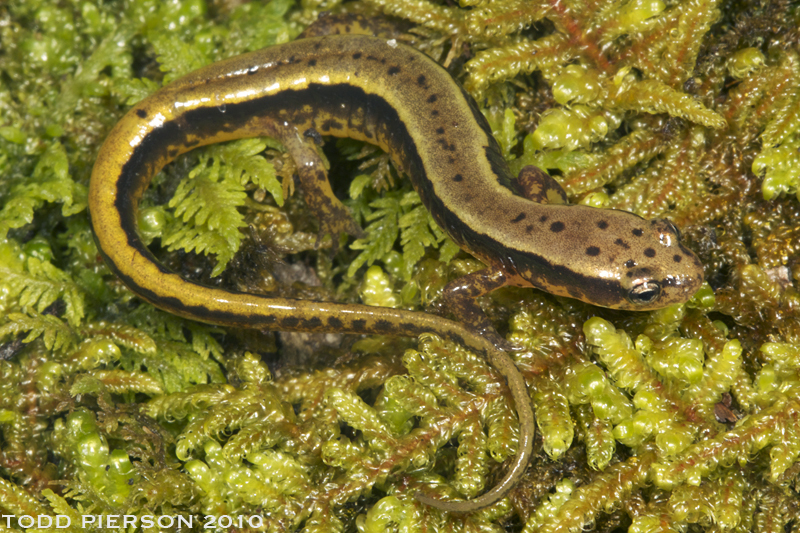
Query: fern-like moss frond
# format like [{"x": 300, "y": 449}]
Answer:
[
  {"x": 56, "y": 335},
  {"x": 50, "y": 183}
]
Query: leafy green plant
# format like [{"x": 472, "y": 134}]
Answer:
[{"x": 681, "y": 419}]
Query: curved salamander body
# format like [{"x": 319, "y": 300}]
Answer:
[{"x": 387, "y": 94}]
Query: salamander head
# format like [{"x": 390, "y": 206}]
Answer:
[
  {"x": 609, "y": 258},
  {"x": 665, "y": 273}
]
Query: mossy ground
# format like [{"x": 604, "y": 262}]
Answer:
[{"x": 685, "y": 419}]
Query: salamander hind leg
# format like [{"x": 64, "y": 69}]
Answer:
[
  {"x": 334, "y": 218},
  {"x": 460, "y": 300}
]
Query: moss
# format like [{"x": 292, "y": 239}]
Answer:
[{"x": 679, "y": 419}]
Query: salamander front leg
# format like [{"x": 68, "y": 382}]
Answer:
[{"x": 538, "y": 186}]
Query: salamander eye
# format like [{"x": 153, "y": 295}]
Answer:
[{"x": 644, "y": 291}]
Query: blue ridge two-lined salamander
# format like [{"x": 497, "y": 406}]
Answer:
[{"x": 379, "y": 91}]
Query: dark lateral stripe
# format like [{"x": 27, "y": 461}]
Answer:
[
  {"x": 300, "y": 322},
  {"x": 338, "y": 100},
  {"x": 382, "y": 119},
  {"x": 493, "y": 152}
]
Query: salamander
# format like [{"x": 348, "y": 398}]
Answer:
[{"x": 382, "y": 92}]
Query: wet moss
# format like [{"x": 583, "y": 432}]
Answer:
[{"x": 680, "y": 418}]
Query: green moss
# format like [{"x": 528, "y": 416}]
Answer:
[{"x": 680, "y": 419}]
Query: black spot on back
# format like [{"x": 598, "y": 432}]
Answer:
[
  {"x": 312, "y": 323},
  {"x": 421, "y": 80},
  {"x": 141, "y": 113},
  {"x": 446, "y": 146},
  {"x": 630, "y": 263},
  {"x": 383, "y": 326},
  {"x": 543, "y": 219},
  {"x": 557, "y": 227},
  {"x": 312, "y": 62},
  {"x": 408, "y": 326},
  {"x": 593, "y": 251},
  {"x": 357, "y": 55},
  {"x": 290, "y": 322},
  {"x": 519, "y": 218},
  {"x": 620, "y": 242},
  {"x": 602, "y": 224},
  {"x": 458, "y": 177},
  {"x": 528, "y": 229},
  {"x": 434, "y": 113},
  {"x": 677, "y": 258},
  {"x": 440, "y": 131},
  {"x": 432, "y": 98},
  {"x": 393, "y": 71},
  {"x": 649, "y": 252},
  {"x": 638, "y": 232}
]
